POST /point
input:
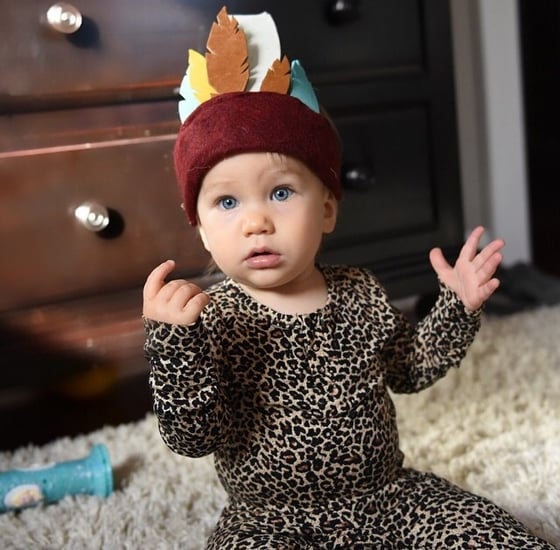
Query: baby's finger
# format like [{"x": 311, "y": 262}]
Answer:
[
  {"x": 487, "y": 270},
  {"x": 489, "y": 254},
  {"x": 156, "y": 279},
  {"x": 196, "y": 304},
  {"x": 178, "y": 293},
  {"x": 468, "y": 252}
]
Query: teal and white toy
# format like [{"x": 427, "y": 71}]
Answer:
[{"x": 92, "y": 475}]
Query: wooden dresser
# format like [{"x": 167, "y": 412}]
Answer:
[{"x": 88, "y": 116}]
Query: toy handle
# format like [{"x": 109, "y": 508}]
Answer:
[{"x": 92, "y": 475}]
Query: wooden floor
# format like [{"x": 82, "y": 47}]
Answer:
[{"x": 40, "y": 418}]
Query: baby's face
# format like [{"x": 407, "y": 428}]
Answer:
[{"x": 262, "y": 217}]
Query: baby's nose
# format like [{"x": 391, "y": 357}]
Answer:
[{"x": 257, "y": 221}]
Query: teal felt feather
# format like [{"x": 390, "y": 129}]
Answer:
[{"x": 301, "y": 87}]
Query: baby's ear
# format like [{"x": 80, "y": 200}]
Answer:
[
  {"x": 330, "y": 211},
  {"x": 203, "y": 238}
]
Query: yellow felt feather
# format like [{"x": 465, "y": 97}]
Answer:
[
  {"x": 227, "y": 57},
  {"x": 277, "y": 78},
  {"x": 198, "y": 77}
]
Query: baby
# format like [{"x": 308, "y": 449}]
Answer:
[{"x": 282, "y": 370}]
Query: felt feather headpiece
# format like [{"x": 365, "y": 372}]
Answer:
[
  {"x": 243, "y": 55},
  {"x": 243, "y": 97}
]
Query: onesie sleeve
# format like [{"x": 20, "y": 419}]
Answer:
[
  {"x": 189, "y": 401},
  {"x": 417, "y": 356}
]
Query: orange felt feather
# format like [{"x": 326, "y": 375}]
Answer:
[
  {"x": 227, "y": 56},
  {"x": 277, "y": 78}
]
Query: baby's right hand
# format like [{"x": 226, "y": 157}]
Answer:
[{"x": 178, "y": 302}]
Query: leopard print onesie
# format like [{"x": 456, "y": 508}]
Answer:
[{"x": 296, "y": 410}]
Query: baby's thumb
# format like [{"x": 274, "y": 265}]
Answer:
[{"x": 439, "y": 263}]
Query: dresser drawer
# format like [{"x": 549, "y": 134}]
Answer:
[
  {"x": 396, "y": 178},
  {"x": 354, "y": 40},
  {"x": 139, "y": 47},
  {"x": 387, "y": 174},
  {"x": 47, "y": 254},
  {"x": 129, "y": 45}
]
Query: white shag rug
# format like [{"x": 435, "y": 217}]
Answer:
[{"x": 492, "y": 427}]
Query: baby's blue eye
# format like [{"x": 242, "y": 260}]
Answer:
[
  {"x": 282, "y": 194},
  {"x": 227, "y": 203}
]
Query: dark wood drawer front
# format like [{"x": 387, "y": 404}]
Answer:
[
  {"x": 388, "y": 178},
  {"x": 47, "y": 254},
  {"x": 139, "y": 47},
  {"x": 373, "y": 39},
  {"x": 399, "y": 180},
  {"x": 131, "y": 45}
]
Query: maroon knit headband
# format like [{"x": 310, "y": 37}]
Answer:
[{"x": 251, "y": 122}]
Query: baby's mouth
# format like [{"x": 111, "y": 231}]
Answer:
[
  {"x": 262, "y": 258},
  {"x": 259, "y": 252}
]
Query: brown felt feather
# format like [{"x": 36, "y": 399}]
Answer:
[
  {"x": 277, "y": 78},
  {"x": 227, "y": 56}
]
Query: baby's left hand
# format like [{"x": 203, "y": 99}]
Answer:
[{"x": 472, "y": 276}]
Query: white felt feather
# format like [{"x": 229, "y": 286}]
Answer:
[{"x": 263, "y": 44}]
